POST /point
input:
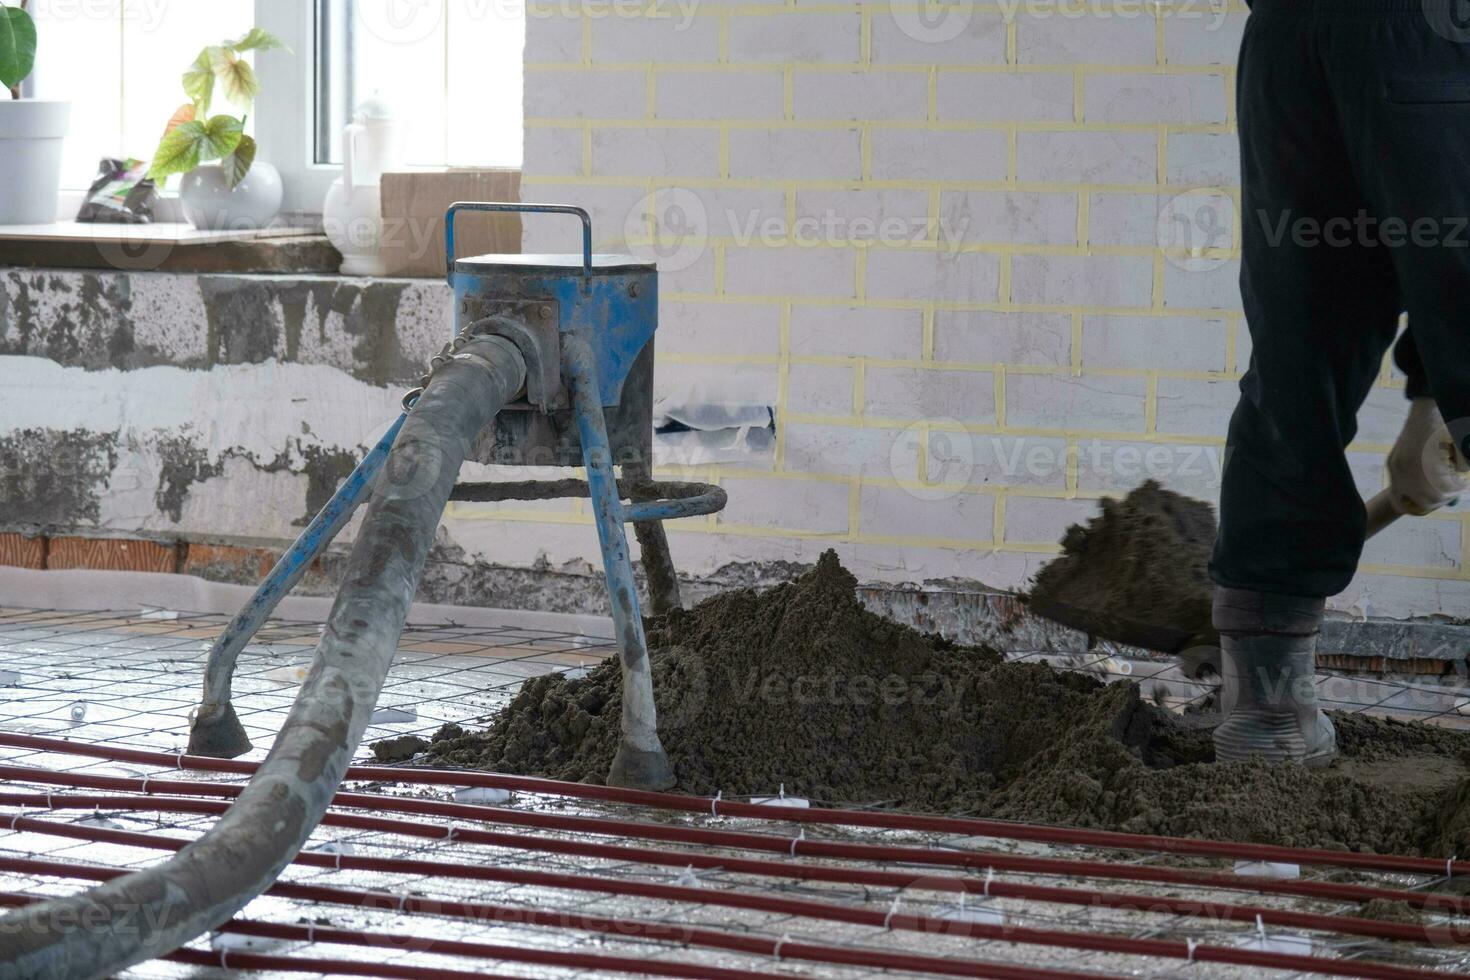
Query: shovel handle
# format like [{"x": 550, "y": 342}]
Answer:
[{"x": 1381, "y": 512}]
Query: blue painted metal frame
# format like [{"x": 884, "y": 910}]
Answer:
[
  {"x": 458, "y": 206},
  {"x": 324, "y": 527}
]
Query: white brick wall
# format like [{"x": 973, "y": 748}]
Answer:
[{"x": 946, "y": 242}]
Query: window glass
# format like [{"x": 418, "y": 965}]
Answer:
[
  {"x": 119, "y": 63},
  {"x": 451, "y": 69}
]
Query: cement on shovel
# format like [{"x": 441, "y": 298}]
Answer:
[
  {"x": 1137, "y": 573},
  {"x": 801, "y": 686}
]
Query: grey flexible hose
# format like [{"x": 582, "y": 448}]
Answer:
[{"x": 150, "y": 913}]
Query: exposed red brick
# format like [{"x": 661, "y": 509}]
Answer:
[
  {"x": 21, "y": 551},
  {"x": 218, "y": 561},
  {"x": 111, "y": 554}
]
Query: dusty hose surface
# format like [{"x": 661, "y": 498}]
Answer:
[{"x": 150, "y": 913}]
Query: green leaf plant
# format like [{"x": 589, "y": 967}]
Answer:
[
  {"x": 193, "y": 136},
  {"x": 17, "y": 46}
]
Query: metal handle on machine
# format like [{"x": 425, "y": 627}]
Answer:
[{"x": 522, "y": 209}]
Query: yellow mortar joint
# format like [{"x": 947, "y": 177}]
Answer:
[
  {"x": 898, "y": 304},
  {"x": 783, "y": 382},
  {"x": 1072, "y": 69},
  {"x": 854, "y": 508},
  {"x": 1151, "y": 405},
  {"x": 1465, "y": 542},
  {"x": 998, "y": 522},
  {"x": 1233, "y": 326},
  {"x": 998, "y": 379},
  {"x": 859, "y": 386},
  {"x": 820, "y": 125}
]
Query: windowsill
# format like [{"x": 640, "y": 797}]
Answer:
[{"x": 166, "y": 247}]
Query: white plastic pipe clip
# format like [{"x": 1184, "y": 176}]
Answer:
[
  {"x": 800, "y": 836},
  {"x": 892, "y": 911},
  {"x": 785, "y": 938},
  {"x": 989, "y": 877},
  {"x": 1190, "y": 945},
  {"x": 714, "y": 804},
  {"x": 1449, "y": 865}
]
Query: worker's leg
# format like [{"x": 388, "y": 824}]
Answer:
[
  {"x": 1321, "y": 309},
  {"x": 1402, "y": 83}
]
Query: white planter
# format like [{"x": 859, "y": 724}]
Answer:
[
  {"x": 210, "y": 203},
  {"x": 31, "y": 132}
]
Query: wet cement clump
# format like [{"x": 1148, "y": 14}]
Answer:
[
  {"x": 399, "y": 749},
  {"x": 1144, "y": 558},
  {"x": 801, "y": 686}
]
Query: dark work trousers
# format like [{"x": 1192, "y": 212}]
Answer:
[{"x": 1354, "y": 120}]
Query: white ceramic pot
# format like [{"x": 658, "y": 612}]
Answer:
[
  {"x": 352, "y": 217},
  {"x": 210, "y": 203},
  {"x": 31, "y": 132}
]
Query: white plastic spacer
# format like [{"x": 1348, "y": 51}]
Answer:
[
  {"x": 224, "y": 958},
  {"x": 179, "y": 760},
  {"x": 449, "y": 834},
  {"x": 310, "y": 933},
  {"x": 892, "y": 911},
  {"x": 714, "y": 804},
  {"x": 785, "y": 938},
  {"x": 337, "y": 858},
  {"x": 50, "y": 804},
  {"x": 800, "y": 836},
  {"x": 1261, "y": 927},
  {"x": 402, "y": 903},
  {"x": 1189, "y": 946},
  {"x": 145, "y": 785},
  {"x": 1449, "y": 865},
  {"x": 15, "y": 819},
  {"x": 989, "y": 877}
]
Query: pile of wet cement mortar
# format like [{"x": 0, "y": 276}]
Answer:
[
  {"x": 802, "y": 686},
  {"x": 1144, "y": 558}
]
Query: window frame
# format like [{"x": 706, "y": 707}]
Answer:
[{"x": 285, "y": 109}]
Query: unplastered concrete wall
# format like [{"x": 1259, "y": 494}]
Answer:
[{"x": 981, "y": 258}]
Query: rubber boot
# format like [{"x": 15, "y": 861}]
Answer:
[{"x": 1268, "y": 694}]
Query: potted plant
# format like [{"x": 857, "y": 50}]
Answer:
[
  {"x": 239, "y": 191},
  {"x": 31, "y": 130}
]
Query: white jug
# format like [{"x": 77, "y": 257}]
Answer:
[{"x": 353, "y": 212}]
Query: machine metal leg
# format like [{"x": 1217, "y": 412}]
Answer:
[
  {"x": 641, "y": 762},
  {"x": 216, "y": 730},
  {"x": 658, "y": 564}
]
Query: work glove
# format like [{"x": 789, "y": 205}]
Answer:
[{"x": 1425, "y": 469}]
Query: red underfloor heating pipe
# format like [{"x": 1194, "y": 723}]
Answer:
[
  {"x": 1348, "y": 925},
  {"x": 892, "y": 920},
  {"x": 402, "y": 942},
  {"x": 795, "y": 847},
  {"x": 716, "y": 806},
  {"x": 624, "y": 928}
]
